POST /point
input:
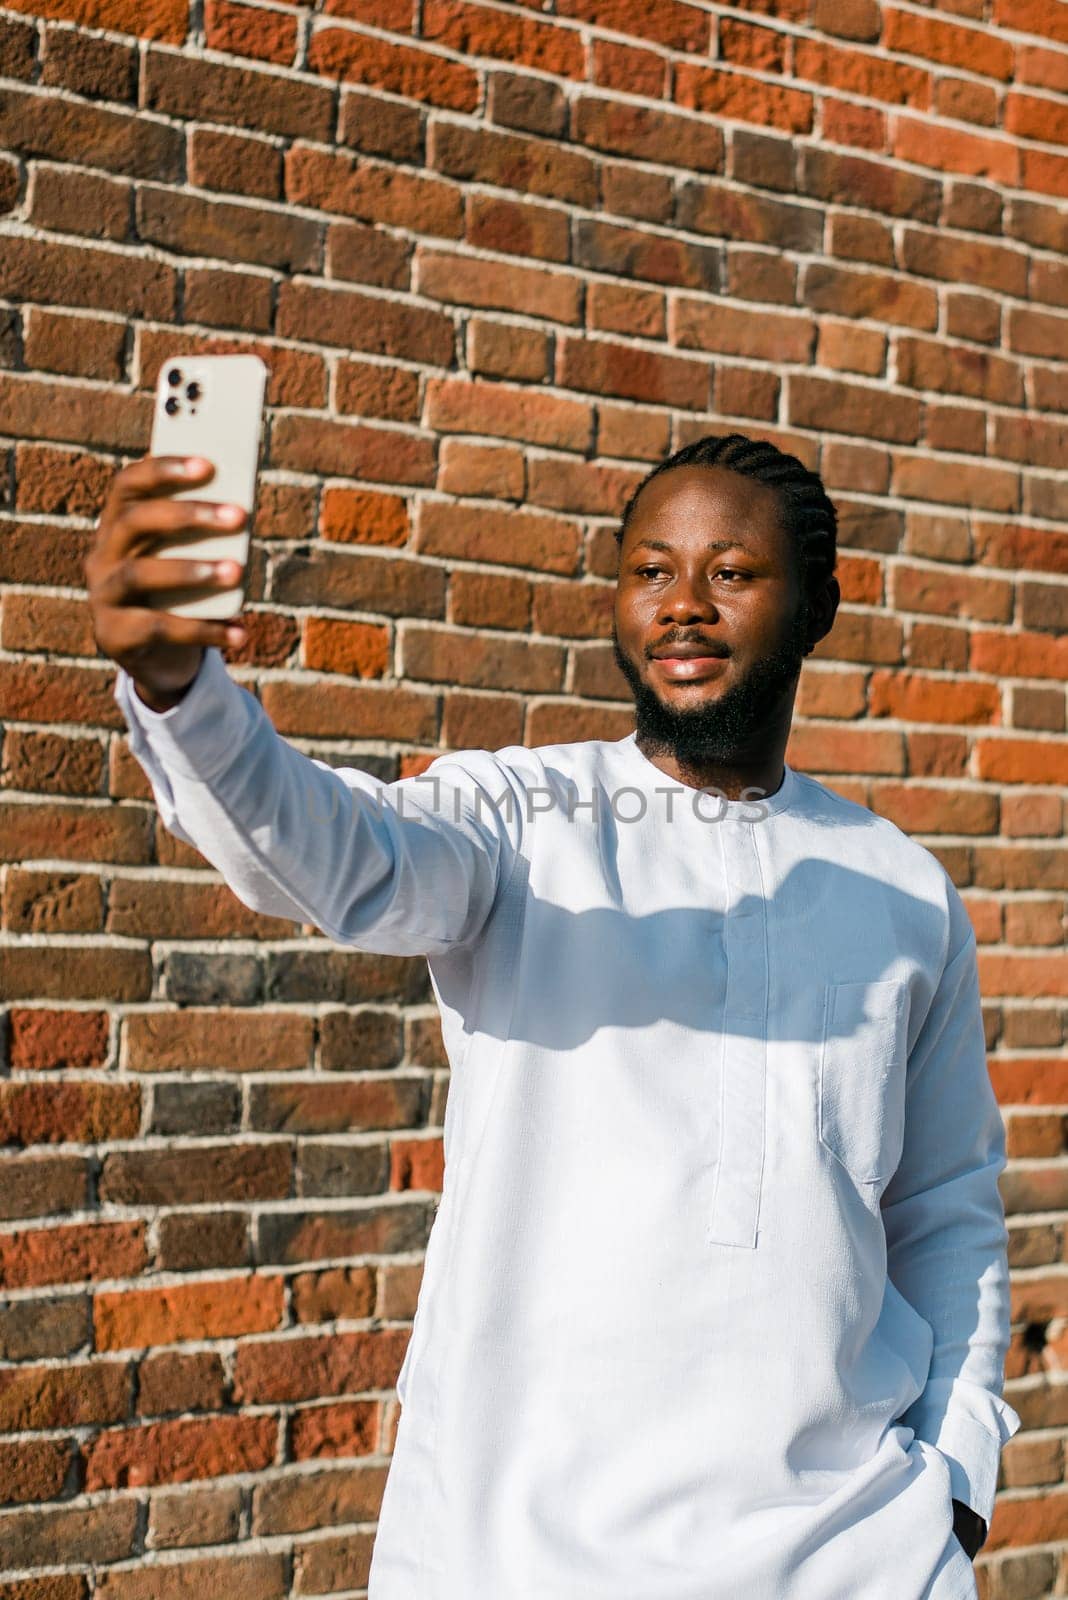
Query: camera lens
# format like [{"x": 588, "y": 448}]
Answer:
[
  {"x": 193, "y": 391},
  {"x": 174, "y": 377},
  {"x": 170, "y": 406}
]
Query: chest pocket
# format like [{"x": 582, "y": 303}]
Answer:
[{"x": 863, "y": 1057}]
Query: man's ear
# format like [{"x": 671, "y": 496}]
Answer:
[{"x": 822, "y": 610}]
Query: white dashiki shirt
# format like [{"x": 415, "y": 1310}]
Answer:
[{"x": 716, "y": 1303}]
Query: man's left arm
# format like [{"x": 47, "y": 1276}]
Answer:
[{"x": 947, "y": 1240}]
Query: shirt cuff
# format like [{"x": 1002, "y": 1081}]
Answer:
[
  {"x": 974, "y": 1428},
  {"x": 205, "y": 730}
]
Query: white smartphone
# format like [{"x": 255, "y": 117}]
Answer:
[{"x": 210, "y": 406}]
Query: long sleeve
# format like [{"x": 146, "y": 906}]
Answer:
[
  {"x": 407, "y": 868},
  {"x": 945, "y": 1229}
]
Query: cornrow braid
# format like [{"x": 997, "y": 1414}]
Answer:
[{"x": 808, "y": 511}]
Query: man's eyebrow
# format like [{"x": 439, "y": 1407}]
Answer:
[{"x": 710, "y": 548}]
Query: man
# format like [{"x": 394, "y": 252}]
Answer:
[{"x": 715, "y": 1306}]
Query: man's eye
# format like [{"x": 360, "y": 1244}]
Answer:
[
  {"x": 640, "y": 570},
  {"x": 729, "y": 572}
]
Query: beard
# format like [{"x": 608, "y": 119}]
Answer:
[{"x": 726, "y": 728}]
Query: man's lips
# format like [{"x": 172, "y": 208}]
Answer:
[{"x": 688, "y": 662}]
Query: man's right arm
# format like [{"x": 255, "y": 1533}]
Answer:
[{"x": 406, "y": 868}]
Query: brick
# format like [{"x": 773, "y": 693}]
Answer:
[
  {"x": 82, "y": 347},
  {"x": 476, "y": 30},
  {"x": 18, "y": 48},
  {"x": 372, "y": 192},
  {"x": 36, "y": 1329},
  {"x": 952, "y": 594},
  {"x": 847, "y": 293},
  {"x": 627, "y": 191},
  {"x": 207, "y": 1174},
  {"x": 349, "y": 320},
  {"x": 366, "y": 254},
  {"x": 435, "y": 655},
  {"x": 380, "y": 127},
  {"x": 815, "y": 748},
  {"x": 912, "y": 697},
  {"x": 34, "y": 1186},
  {"x": 1046, "y": 173},
  {"x": 507, "y": 350},
  {"x": 1031, "y": 440},
  {"x": 50, "y": 901},
  {"x": 77, "y": 275},
  {"x": 1009, "y": 760},
  {"x": 48, "y": 125},
  {"x": 1036, "y": 333},
  {"x": 508, "y": 161},
  {"x": 455, "y": 406},
  {"x": 999, "y": 544},
  {"x": 604, "y": 367},
  {"x": 713, "y": 208},
  {"x": 222, "y": 299},
  {"x": 850, "y": 349},
  {"x": 653, "y": 257},
  {"x": 958, "y": 369},
  {"x": 241, "y": 30},
  {"x": 847, "y": 408},
  {"x": 719, "y": 93},
  {"x": 977, "y": 155},
  {"x": 743, "y": 392},
  {"x": 179, "y": 1451},
  {"x": 198, "y": 1517},
  {"x": 191, "y": 225},
  {"x": 358, "y": 649},
  {"x": 79, "y": 202},
  {"x": 762, "y": 160},
  {"x": 377, "y": 391},
  {"x": 491, "y": 721},
  {"x": 531, "y": 105},
  {"x": 670, "y": 23},
  {"x": 507, "y": 538},
  {"x": 194, "y": 1242},
  {"x": 859, "y": 181},
  {"x": 1019, "y": 655},
  {"x": 93, "y": 1535},
  {"x": 515, "y": 228},
  {"x": 498, "y": 285},
  {"x": 583, "y": 487},
  {"x": 238, "y": 1577},
  {"x": 494, "y": 471},
  {"x": 859, "y": 20},
  {"x": 359, "y": 516},
  {"x": 967, "y": 101},
  {"x": 179, "y": 85},
  {"x": 727, "y": 330},
  {"x": 397, "y": 68},
  {"x": 622, "y": 308},
  {"x": 978, "y": 50},
  {"x": 62, "y": 1112},
  {"x": 647, "y": 133},
  {"x": 917, "y": 809},
  {"x": 236, "y": 162},
  {"x": 861, "y": 73},
  {"x": 33, "y": 1469},
  {"x": 365, "y": 582},
  {"x": 387, "y": 455},
  {"x": 631, "y": 68},
  {"x": 71, "y": 1253},
  {"x": 489, "y": 600},
  {"x": 197, "y": 1040},
  {"x": 323, "y": 1432}
]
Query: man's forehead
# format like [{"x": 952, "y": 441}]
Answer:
[{"x": 715, "y": 494}]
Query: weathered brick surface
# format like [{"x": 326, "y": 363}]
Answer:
[{"x": 499, "y": 259}]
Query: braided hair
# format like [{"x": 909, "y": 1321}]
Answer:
[{"x": 809, "y": 514}]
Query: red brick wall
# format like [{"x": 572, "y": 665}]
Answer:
[{"x": 499, "y": 258}]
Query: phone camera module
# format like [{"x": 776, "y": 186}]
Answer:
[
  {"x": 174, "y": 377},
  {"x": 171, "y": 406}
]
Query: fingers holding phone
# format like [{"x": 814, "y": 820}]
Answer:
[{"x": 165, "y": 575}]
